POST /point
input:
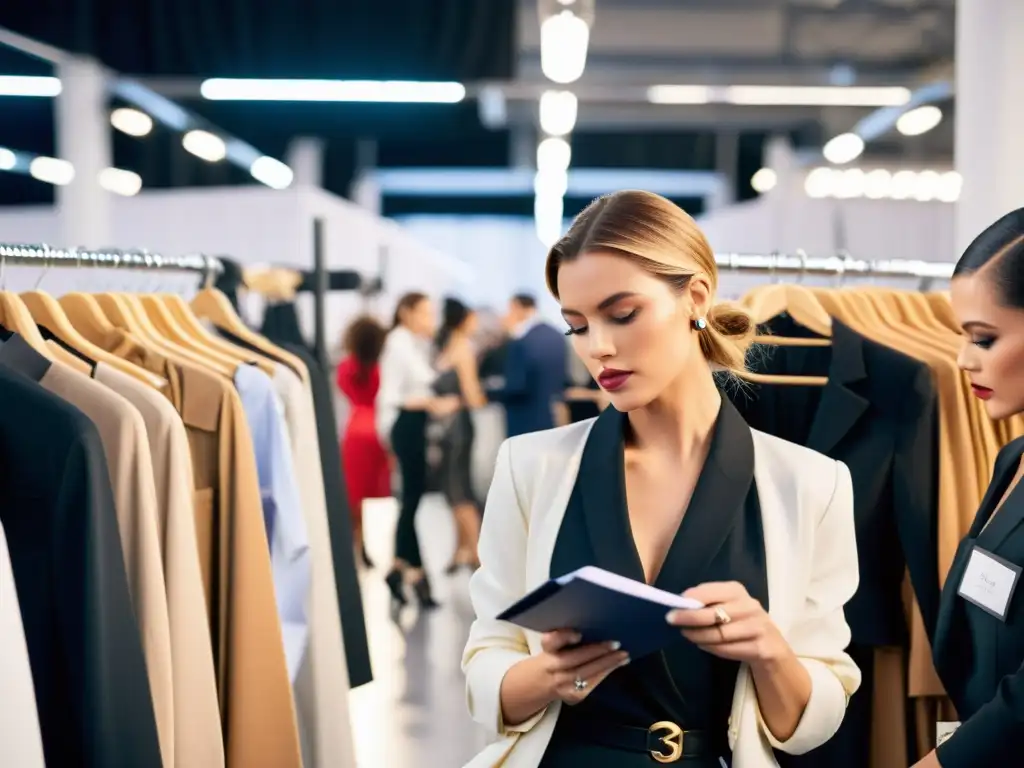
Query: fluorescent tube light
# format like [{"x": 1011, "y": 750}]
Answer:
[
  {"x": 52, "y": 170},
  {"x": 272, "y": 172},
  {"x": 780, "y": 95},
  {"x": 120, "y": 181},
  {"x": 397, "y": 91},
  {"x": 131, "y": 121},
  {"x": 19, "y": 85}
]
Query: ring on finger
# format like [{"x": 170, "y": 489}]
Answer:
[
  {"x": 721, "y": 616},
  {"x": 581, "y": 685}
]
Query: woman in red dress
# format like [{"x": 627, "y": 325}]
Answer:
[{"x": 365, "y": 462}]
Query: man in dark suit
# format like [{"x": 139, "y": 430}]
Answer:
[{"x": 535, "y": 369}]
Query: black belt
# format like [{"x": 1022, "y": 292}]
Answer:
[{"x": 664, "y": 741}]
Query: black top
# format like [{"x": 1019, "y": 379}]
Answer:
[
  {"x": 57, "y": 508},
  {"x": 720, "y": 539},
  {"x": 980, "y": 658}
]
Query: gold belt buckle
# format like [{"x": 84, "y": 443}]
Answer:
[{"x": 672, "y": 740}]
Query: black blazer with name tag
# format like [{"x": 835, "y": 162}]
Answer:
[{"x": 979, "y": 657}]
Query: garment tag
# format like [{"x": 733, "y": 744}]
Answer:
[
  {"x": 989, "y": 582},
  {"x": 943, "y": 730}
]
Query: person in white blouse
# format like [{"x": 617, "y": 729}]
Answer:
[
  {"x": 668, "y": 486},
  {"x": 404, "y": 401}
]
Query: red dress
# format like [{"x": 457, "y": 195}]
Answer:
[{"x": 367, "y": 475}]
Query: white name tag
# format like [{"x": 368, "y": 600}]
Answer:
[
  {"x": 989, "y": 582},
  {"x": 943, "y": 731}
]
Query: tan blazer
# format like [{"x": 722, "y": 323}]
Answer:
[
  {"x": 197, "y": 735},
  {"x": 21, "y": 743},
  {"x": 322, "y": 685},
  {"x": 257, "y": 709},
  {"x": 807, "y": 515},
  {"x": 126, "y": 446}
]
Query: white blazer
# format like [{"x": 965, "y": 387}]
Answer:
[{"x": 811, "y": 559}]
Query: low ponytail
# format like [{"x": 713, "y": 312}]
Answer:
[{"x": 727, "y": 337}]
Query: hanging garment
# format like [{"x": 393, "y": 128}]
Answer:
[
  {"x": 350, "y": 598},
  {"x": 126, "y": 446},
  {"x": 322, "y": 687},
  {"x": 20, "y": 741},
  {"x": 257, "y": 707},
  {"x": 876, "y": 414},
  {"x": 197, "y": 733},
  {"x": 282, "y": 510},
  {"x": 91, "y": 685}
]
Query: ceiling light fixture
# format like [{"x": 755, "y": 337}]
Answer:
[
  {"x": 393, "y": 91},
  {"x": 272, "y": 172},
  {"x": 919, "y": 120},
  {"x": 8, "y": 160},
  {"x": 558, "y": 110},
  {"x": 780, "y": 96},
  {"x": 564, "y": 38},
  {"x": 553, "y": 154},
  {"x": 205, "y": 145},
  {"x": 131, "y": 121},
  {"x": 52, "y": 170},
  {"x": 764, "y": 180},
  {"x": 120, "y": 181},
  {"x": 39, "y": 87},
  {"x": 843, "y": 148}
]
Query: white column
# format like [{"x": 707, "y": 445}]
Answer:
[
  {"x": 989, "y": 113},
  {"x": 84, "y": 208},
  {"x": 306, "y": 159}
]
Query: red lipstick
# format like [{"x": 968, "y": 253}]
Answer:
[
  {"x": 982, "y": 393},
  {"x": 611, "y": 379}
]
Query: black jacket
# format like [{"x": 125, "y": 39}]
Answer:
[
  {"x": 979, "y": 657},
  {"x": 92, "y": 691}
]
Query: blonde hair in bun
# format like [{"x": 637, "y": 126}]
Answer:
[{"x": 664, "y": 240}]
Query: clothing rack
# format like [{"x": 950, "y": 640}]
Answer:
[
  {"x": 841, "y": 265},
  {"x": 42, "y": 255}
]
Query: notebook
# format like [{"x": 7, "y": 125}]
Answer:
[{"x": 602, "y": 606}]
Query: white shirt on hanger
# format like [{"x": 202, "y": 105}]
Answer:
[{"x": 405, "y": 373}]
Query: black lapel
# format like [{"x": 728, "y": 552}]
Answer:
[
  {"x": 990, "y": 538},
  {"x": 602, "y": 487},
  {"x": 18, "y": 355},
  {"x": 840, "y": 407},
  {"x": 717, "y": 503},
  {"x": 1012, "y": 512}
]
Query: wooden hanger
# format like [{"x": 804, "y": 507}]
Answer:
[
  {"x": 171, "y": 329},
  {"x": 794, "y": 300},
  {"x": 274, "y": 284},
  {"x": 784, "y": 379},
  {"x": 118, "y": 308},
  {"x": 188, "y": 321},
  {"x": 214, "y": 306},
  {"x": 49, "y": 313},
  {"x": 14, "y": 316}
]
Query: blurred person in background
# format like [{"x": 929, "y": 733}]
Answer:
[
  {"x": 458, "y": 375},
  {"x": 404, "y": 401},
  {"x": 535, "y": 369},
  {"x": 366, "y": 466}
]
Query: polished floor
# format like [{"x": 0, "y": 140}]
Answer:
[{"x": 414, "y": 712}]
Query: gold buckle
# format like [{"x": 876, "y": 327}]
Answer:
[{"x": 673, "y": 741}]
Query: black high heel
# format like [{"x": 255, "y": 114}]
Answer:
[
  {"x": 421, "y": 589},
  {"x": 396, "y": 585}
]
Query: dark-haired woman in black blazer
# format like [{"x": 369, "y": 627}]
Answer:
[{"x": 979, "y": 639}]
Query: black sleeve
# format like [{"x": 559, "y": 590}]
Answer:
[
  {"x": 101, "y": 636},
  {"x": 517, "y": 376},
  {"x": 992, "y": 736},
  {"x": 915, "y": 491}
]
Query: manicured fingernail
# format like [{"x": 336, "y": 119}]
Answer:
[
  {"x": 624, "y": 662},
  {"x": 575, "y": 637},
  {"x": 671, "y": 617},
  {"x": 614, "y": 645}
]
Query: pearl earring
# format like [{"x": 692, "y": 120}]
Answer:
[{"x": 700, "y": 323}]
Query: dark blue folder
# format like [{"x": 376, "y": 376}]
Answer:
[{"x": 602, "y": 606}]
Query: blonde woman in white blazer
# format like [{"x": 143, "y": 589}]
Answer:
[{"x": 672, "y": 487}]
